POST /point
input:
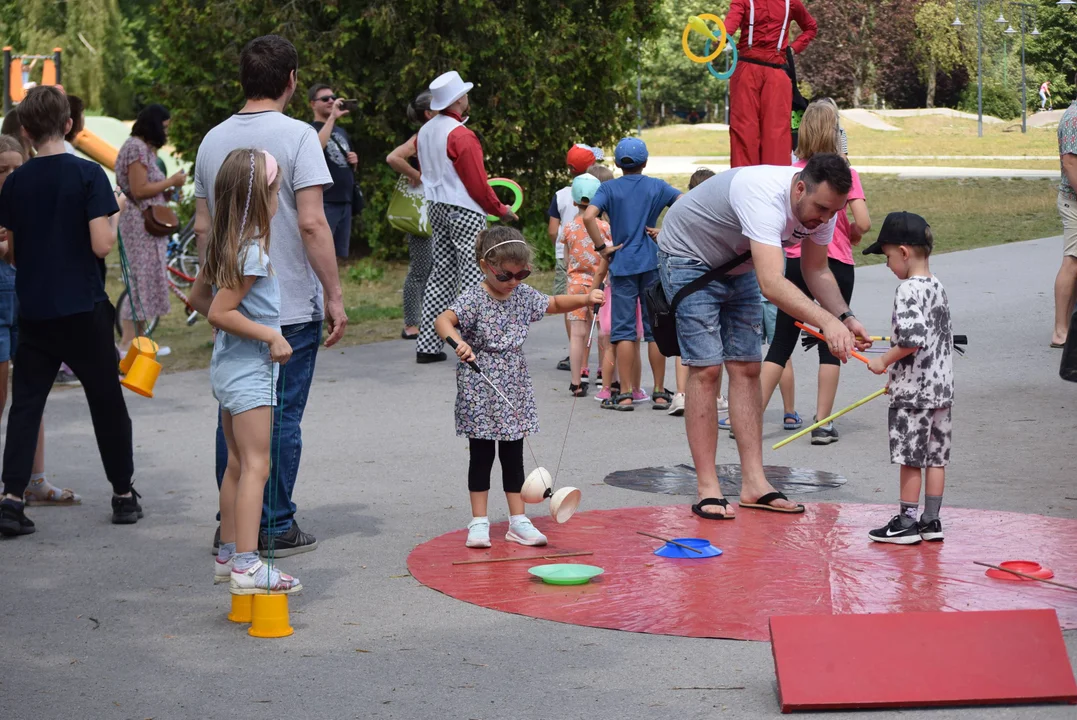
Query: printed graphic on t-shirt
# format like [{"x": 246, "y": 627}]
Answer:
[
  {"x": 332, "y": 149},
  {"x": 921, "y": 320}
]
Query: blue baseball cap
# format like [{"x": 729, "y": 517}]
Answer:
[
  {"x": 584, "y": 188},
  {"x": 630, "y": 153}
]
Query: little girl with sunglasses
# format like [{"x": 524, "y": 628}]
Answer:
[{"x": 490, "y": 322}]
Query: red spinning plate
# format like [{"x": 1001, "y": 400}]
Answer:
[{"x": 818, "y": 563}]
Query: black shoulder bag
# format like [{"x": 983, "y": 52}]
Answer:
[{"x": 663, "y": 314}]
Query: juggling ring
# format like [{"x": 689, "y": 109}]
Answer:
[
  {"x": 732, "y": 63},
  {"x": 516, "y": 190},
  {"x": 721, "y": 45}
]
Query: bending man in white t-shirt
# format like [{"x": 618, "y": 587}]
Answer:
[{"x": 758, "y": 209}]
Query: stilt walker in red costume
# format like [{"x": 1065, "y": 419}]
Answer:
[{"x": 760, "y": 91}]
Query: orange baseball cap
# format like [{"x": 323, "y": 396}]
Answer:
[{"x": 579, "y": 158}]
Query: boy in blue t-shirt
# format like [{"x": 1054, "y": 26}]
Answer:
[
  {"x": 633, "y": 202},
  {"x": 57, "y": 209}
]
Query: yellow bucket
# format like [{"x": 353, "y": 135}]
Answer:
[
  {"x": 269, "y": 616},
  {"x": 241, "y": 608},
  {"x": 139, "y": 346},
  {"x": 142, "y": 376}
]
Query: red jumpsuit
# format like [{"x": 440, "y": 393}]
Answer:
[{"x": 761, "y": 97}]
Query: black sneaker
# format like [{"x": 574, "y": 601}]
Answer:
[
  {"x": 425, "y": 358},
  {"x": 217, "y": 540},
  {"x": 564, "y": 365},
  {"x": 292, "y": 542},
  {"x": 126, "y": 510},
  {"x": 824, "y": 435},
  {"x": 66, "y": 379},
  {"x": 13, "y": 520},
  {"x": 930, "y": 530},
  {"x": 896, "y": 533}
]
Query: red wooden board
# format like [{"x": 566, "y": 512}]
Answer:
[{"x": 832, "y": 662}]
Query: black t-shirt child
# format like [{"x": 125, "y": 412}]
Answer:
[
  {"x": 48, "y": 204},
  {"x": 336, "y": 157}
]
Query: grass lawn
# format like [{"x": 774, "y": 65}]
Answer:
[
  {"x": 373, "y": 299},
  {"x": 963, "y": 214},
  {"x": 925, "y": 135}
]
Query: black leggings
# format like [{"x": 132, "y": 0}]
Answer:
[
  {"x": 482, "y": 462},
  {"x": 786, "y": 334}
]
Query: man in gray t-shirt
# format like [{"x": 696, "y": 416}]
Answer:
[
  {"x": 300, "y": 249},
  {"x": 758, "y": 210}
]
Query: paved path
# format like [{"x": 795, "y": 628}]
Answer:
[
  {"x": 100, "y": 621},
  {"x": 686, "y": 165},
  {"x": 868, "y": 119}
]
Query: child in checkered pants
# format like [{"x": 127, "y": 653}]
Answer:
[{"x": 921, "y": 383}]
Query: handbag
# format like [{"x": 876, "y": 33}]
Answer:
[
  {"x": 407, "y": 209},
  {"x": 663, "y": 313},
  {"x": 160, "y": 220}
]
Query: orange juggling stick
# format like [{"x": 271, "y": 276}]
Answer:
[{"x": 816, "y": 333}]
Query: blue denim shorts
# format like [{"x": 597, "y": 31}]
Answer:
[
  {"x": 719, "y": 322},
  {"x": 9, "y": 330},
  {"x": 627, "y": 291}
]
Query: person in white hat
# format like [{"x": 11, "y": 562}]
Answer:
[{"x": 460, "y": 197}]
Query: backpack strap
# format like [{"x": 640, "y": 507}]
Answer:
[{"x": 706, "y": 278}]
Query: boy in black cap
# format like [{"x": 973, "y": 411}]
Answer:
[{"x": 921, "y": 384}]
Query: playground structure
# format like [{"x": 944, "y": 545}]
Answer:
[{"x": 16, "y": 83}]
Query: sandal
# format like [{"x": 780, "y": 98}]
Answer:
[
  {"x": 664, "y": 395},
  {"x": 578, "y": 390},
  {"x": 792, "y": 421},
  {"x": 721, "y": 502},
  {"x": 614, "y": 403},
  {"x": 54, "y": 496},
  {"x": 764, "y": 503}
]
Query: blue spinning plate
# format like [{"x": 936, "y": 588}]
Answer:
[{"x": 702, "y": 544}]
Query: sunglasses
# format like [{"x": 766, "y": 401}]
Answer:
[
  {"x": 326, "y": 98},
  {"x": 502, "y": 276}
]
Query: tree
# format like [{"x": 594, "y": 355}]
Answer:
[
  {"x": 938, "y": 48},
  {"x": 839, "y": 63},
  {"x": 546, "y": 74},
  {"x": 1054, "y": 53}
]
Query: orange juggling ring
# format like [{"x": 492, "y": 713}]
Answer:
[
  {"x": 695, "y": 26},
  {"x": 816, "y": 333}
]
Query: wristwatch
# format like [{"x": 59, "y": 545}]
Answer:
[{"x": 846, "y": 315}]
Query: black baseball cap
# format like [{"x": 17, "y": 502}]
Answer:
[{"x": 901, "y": 228}]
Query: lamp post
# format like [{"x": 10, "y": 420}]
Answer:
[
  {"x": 1025, "y": 7},
  {"x": 979, "y": 63}
]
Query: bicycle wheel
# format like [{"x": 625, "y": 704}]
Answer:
[
  {"x": 185, "y": 260},
  {"x": 149, "y": 326}
]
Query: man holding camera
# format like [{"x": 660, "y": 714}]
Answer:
[{"x": 342, "y": 161}]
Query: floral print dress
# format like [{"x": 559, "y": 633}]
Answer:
[
  {"x": 496, "y": 331},
  {"x": 146, "y": 253}
]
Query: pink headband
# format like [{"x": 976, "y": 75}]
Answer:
[{"x": 271, "y": 167}]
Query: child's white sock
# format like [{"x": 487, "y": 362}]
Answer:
[
  {"x": 244, "y": 560},
  {"x": 516, "y": 518},
  {"x": 225, "y": 552}
]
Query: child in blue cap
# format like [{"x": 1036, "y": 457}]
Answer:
[{"x": 633, "y": 203}]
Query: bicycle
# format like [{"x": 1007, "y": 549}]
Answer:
[{"x": 182, "y": 269}]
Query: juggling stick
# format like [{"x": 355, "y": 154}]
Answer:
[
  {"x": 525, "y": 557},
  {"x": 816, "y": 333},
  {"x": 1024, "y": 575},
  {"x": 827, "y": 419},
  {"x": 670, "y": 542},
  {"x": 960, "y": 341}
]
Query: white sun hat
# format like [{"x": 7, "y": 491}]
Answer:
[{"x": 447, "y": 89}]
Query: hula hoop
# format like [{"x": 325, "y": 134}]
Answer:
[
  {"x": 732, "y": 63},
  {"x": 516, "y": 190},
  {"x": 721, "y": 44}
]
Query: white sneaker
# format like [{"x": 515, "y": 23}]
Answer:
[
  {"x": 257, "y": 578},
  {"x": 676, "y": 408},
  {"x": 222, "y": 571},
  {"x": 723, "y": 405},
  {"x": 478, "y": 534},
  {"x": 523, "y": 532}
]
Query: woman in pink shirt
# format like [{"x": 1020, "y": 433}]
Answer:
[{"x": 819, "y": 133}]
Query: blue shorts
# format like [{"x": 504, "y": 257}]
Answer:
[
  {"x": 627, "y": 291},
  {"x": 9, "y": 330},
  {"x": 722, "y": 321}
]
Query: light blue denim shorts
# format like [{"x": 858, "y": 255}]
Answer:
[
  {"x": 721, "y": 321},
  {"x": 241, "y": 374}
]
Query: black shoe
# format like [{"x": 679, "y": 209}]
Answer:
[
  {"x": 66, "y": 379},
  {"x": 896, "y": 533},
  {"x": 424, "y": 358},
  {"x": 578, "y": 390},
  {"x": 217, "y": 540},
  {"x": 404, "y": 335},
  {"x": 291, "y": 542},
  {"x": 824, "y": 435},
  {"x": 126, "y": 510},
  {"x": 930, "y": 530},
  {"x": 13, "y": 520},
  {"x": 564, "y": 365}
]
